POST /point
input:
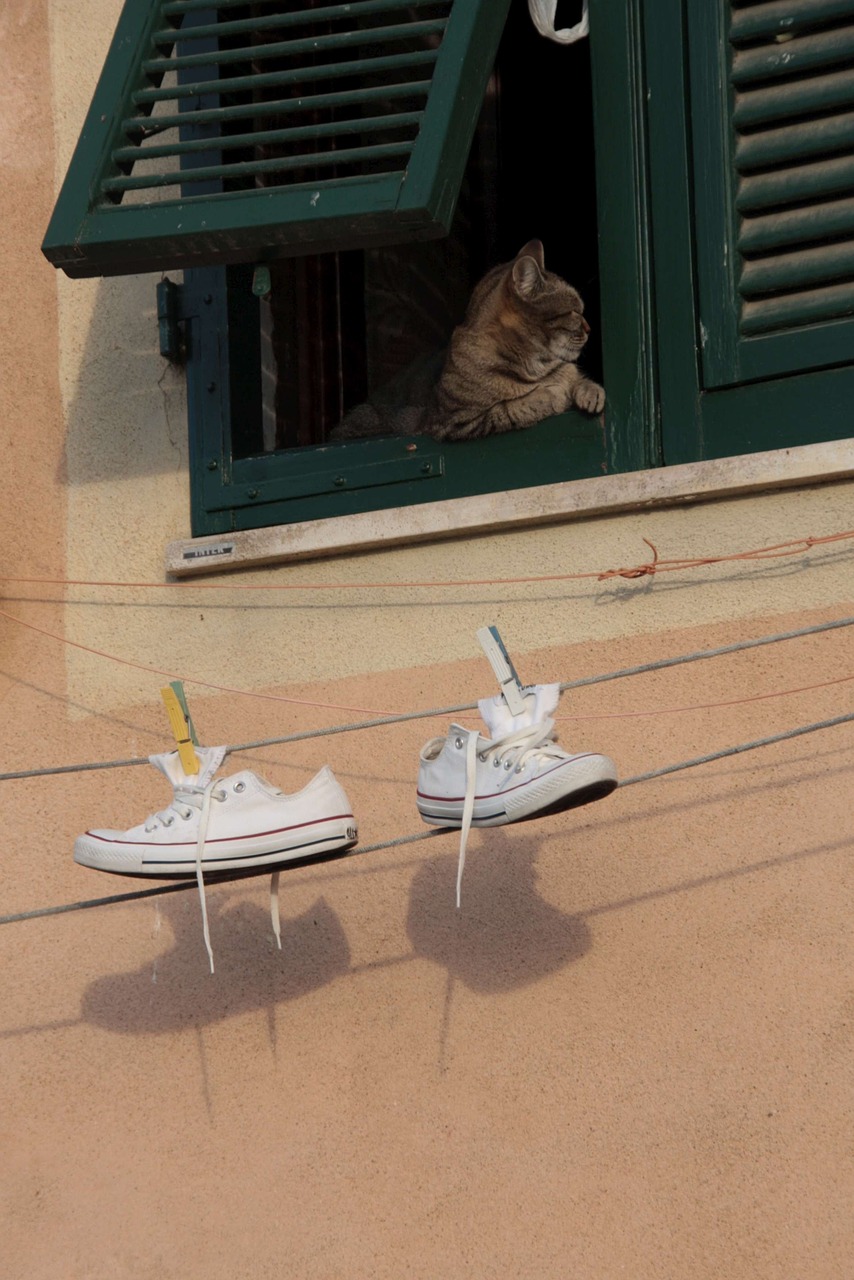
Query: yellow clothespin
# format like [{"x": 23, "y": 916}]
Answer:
[
  {"x": 182, "y": 726},
  {"x": 505, "y": 672}
]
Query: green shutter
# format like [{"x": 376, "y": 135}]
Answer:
[
  {"x": 245, "y": 131},
  {"x": 772, "y": 109}
]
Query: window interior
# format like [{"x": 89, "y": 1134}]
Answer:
[{"x": 337, "y": 328}]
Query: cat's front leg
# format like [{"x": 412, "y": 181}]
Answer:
[{"x": 589, "y": 396}]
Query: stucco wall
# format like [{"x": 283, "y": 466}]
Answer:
[{"x": 631, "y": 1055}]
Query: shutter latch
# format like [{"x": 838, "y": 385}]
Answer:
[{"x": 172, "y": 342}]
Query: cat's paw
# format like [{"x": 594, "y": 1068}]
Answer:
[{"x": 589, "y": 396}]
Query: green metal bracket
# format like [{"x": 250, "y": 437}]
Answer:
[{"x": 172, "y": 344}]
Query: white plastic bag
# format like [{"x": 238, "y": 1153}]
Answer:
[{"x": 543, "y": 15}]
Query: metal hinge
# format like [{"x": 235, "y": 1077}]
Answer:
[{"x": 173, "y": 342}]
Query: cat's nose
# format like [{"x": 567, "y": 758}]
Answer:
[{"x": 585, "y": 326}]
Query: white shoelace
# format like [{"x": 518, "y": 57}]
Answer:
[
  {"x": 514, "y": 751},
  {"x": 185, "y": 799},
  {"x": 207, "y": 795}
]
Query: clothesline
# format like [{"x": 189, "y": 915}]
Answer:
[
  {"x": 458, "y": 708},
  {"x": 651, "y": 775},
  {"x": 649, "y": 568}
]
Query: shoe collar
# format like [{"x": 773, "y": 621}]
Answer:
[
  {"x": 210, "y": 759},
  {"x": 540, "y": 704}
]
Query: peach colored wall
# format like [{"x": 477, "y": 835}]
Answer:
[
  {"x": 629, "y": 1055},
  {"x": 32, "y": 436}
]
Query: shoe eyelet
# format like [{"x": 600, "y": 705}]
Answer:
[
  {"x": 458, "y": 743},
  {"x": 509, "y": 765},
  {"x": 188, "y": 815},
  {"x": 496, "y": 764},
  {"x": 239, "y": 786},
  {"x": 167, "y": 822},
  {"x": 518, "y": 768},
  {"x": 481, "y": 755}
]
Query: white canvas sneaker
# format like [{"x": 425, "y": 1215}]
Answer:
[
  {"x": 518, "y": 772},
  {"x": 225, "y": 825}
]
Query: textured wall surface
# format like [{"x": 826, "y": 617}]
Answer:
[{"x": 629, "y": 1053}]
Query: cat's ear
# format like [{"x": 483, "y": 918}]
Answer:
[
  {"x": 534, "y": 249},
  {"x": 527, "y": 277}
]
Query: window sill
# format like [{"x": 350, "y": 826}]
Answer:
[{"x": 486, "y": 513}]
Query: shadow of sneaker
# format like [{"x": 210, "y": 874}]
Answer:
[
  {"x": 178, "y": 992},
  {"x": 505, "y": 935}
]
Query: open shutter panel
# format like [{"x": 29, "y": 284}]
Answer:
[
  {"x": 248, "y": 131},
  {"x": 774, "y": 184}
]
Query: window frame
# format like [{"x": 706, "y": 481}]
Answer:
[
  {"x": 412, "y": 471},
  {"x": 651, "y": 347}
]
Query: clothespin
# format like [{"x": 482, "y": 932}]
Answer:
[
  {"x": 505, "y": 672},
  {"x": 182, "y": 726}
]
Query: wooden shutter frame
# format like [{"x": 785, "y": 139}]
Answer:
[
  {"x": 799, "y": 406},
  {"x": 728, "y": 354},
  {"x": 85, "y": 238}
]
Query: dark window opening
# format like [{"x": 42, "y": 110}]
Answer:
[{"x": 337, "y": 328}]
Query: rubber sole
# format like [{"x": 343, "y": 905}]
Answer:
[
  {"x": 586, "y": 794},
  {"x": 253, "y": 865}
]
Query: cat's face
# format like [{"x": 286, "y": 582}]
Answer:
[{"x": 548, "y": 304}]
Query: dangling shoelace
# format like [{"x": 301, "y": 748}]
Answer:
[
  {"x": 516, "y": 749},
  {"x": 185, "y": 799}
]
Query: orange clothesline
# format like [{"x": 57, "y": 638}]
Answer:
[
  {"x": 374, "y": 712},
  {"x": 647, "y": 569}
]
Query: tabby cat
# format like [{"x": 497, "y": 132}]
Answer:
[{"x": 511, "y": 363}]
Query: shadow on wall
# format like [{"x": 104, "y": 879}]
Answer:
[
  {"x": 178, "y": 993},
  {"x": 505, "y": 937},
  {"x": 127, "y": 413}
]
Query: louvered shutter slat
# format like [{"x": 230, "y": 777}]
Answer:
[
  {"x": 789, "y": 311},
  {"x": 155, "y": 67},
  {"x": 238, "y": 132},
  {"x": 280, "y": 21},
  {"x": 780, "y": 101},
  {"x": 800, "y": 54},
  {"x": 268, "y": 137},
  {"x": 147, "y": 126},
  {"x": 178, "y": 8},
  {"x": 786, "y": 272},
  {"x": 295, "y": 76},
  {"x": 251, "y": 168},
  {"x": 784, "y": 17},
  {"x": 797, "y": 226},
  {"x": 788, "y": 186},
  {"x": 796, "y": 142}
]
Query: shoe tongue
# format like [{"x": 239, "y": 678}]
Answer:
[
  {"x": 210, "y": 758},
  {"x": 540, "y": 703}
]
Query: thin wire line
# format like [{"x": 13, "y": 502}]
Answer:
[
  {"x": 774, "y": 552},
  {"x": 644, "y": 668},
  {"x": 88, "y": 903},
  {"x": 170, "y": 675},
  {"x": 735, "y": 751},
  {"x": 708, "y": 706}
]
